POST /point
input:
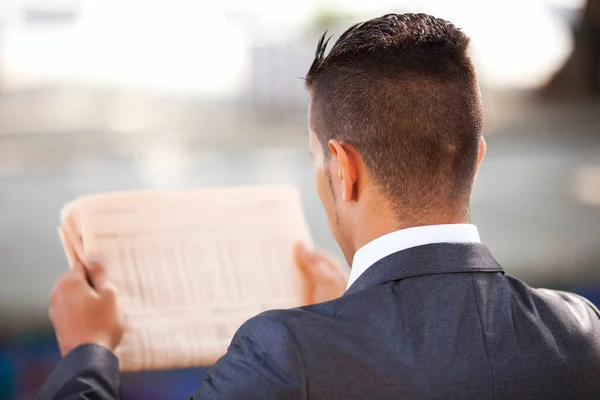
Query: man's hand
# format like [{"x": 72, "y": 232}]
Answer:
[
  {"x": 326, "y": 276},
  {"x": 86, "y": 314}
]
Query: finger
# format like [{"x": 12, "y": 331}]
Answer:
[
  {"x": 316, "y": 260},
  {"x": 310, "y": 262},
  {"x": 307, "y": 255},
  {"x": 69, "y": 252},
  {"x": 108, "y": 291},
  {"x": 52, "y": 316},
  {"x": 300, "y": 254},
  {"x": 56, "y": 289},
  {"x": 69, "y": 283},
  {"x": 309, "y": 294},
  {"x": 73, "y": 238},
  {"x": 79, "y": 269},
  {"x": 315, "y": 266},
  {"x": 96, "y": 271},
  {"x": 325, "y": 275},
  {"x": 54, "y": 295},
  {"x": 335, "y": 267},
  {"x": 83, "y": 272},
  {"x": 323, "y": 268}
]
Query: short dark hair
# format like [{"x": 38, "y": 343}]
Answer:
[{"x": 402, "y": 90}]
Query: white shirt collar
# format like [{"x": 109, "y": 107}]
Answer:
[{"x": 404, "y": 239}]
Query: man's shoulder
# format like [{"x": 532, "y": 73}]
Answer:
[
  {"x": 282, "y": 328},
  {"x": 309, "y": 312},
  {"x": 554, "y": 301},
  {"x": 579, "y": 305},
  {"x": 565, "y": 313}
]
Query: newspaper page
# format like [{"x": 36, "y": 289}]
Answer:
[{"x": 190, "y": 266}]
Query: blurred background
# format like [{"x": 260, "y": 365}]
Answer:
[{"x": 100, "y": 95}]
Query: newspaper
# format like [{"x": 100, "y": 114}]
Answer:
[{"x": 190, "y": 266}]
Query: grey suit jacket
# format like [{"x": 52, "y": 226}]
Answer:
[{"x": 439, "y": 321}]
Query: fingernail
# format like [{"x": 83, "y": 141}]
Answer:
[
  {"x": 92, "y": 258},
  {"x": 307, "y": 249}
]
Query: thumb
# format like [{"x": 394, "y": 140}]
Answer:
[
  {"x": 303, "y": 255},
  {"x": 96, "y": 272},
  {"x": 313, "y": 262}
]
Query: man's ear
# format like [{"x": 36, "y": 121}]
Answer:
[
  {"x": 481, "y": 155},
  {"x": 347, "y": 169}
]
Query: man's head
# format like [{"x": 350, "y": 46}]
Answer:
[{"x": 395, "y": 127}]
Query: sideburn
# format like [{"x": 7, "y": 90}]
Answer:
[{"x": 335, "y": 210}]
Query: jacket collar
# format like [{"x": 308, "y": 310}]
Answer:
[{"x": 439, "y": 258}]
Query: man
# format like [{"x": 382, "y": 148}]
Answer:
[{"x": 395, "y": 134}]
